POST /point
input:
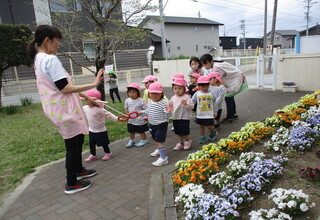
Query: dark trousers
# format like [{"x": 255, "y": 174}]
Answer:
[
  {"x": 115, "y": 90},
  {"x": 73, "y": 158},
  {"x": 231, "y": 107}
]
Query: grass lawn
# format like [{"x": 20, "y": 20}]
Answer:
[{"x": 29, "y": 139}]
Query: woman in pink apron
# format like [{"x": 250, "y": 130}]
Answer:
[{"x": 61, "y": 102}]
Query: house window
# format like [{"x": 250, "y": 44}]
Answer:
[
  {"x": 0, "y": 20},
  {"x": 89, "y": 49},
  {"x": 268, "y": 38},
  {"x": 178, "y": 48},
  {"x": 63, "y": 6},
  {"x": 196, "y": 29},
  {"x": 197, "y": 48},
  {"x": 277, "y": 38},
  {"x": 212, "y": 29}
]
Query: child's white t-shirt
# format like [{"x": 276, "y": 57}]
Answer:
[
  {"x": 219, "y": 93},
  {"x": 135, "y": 105},
  {"x": 205, "y": 104}
]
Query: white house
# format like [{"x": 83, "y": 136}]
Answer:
[
  {"x": 188, "y": 36},
  {"x": 283, "y": 38}
]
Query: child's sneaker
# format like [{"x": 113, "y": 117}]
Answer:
[
  {"x": 80, "y": 186},
  {"x": 212, "y": 136},
  {"x": 155, "y": 153},
  {"x": 107, "y": 156},
  {"x": 130, "y": 144},
  {"x": 142, "y": 143},
  {"x": 187, "y": 144},
  {"x": 178, "y": 146},
  {"x": 160, "y": 162},
  {"x": 202, "y": 139},
  {"x": 86, "y": 173},
  {"x": 90, "y": 158}
]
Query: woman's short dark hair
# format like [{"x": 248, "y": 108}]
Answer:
[
  {"x": 195, "y": 59},
  {"x": 206, "y": 58},
  {"x": 130, "y": 88},
  {"x": 41, "y": 33}
]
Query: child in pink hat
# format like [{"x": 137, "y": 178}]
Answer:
[
  {"x": 158, "y": 119},
  {"x": 147, "y": 82},
  {"x": 134, "y": 103},
  {"x": 180, "y": 105},
  {"x": 219, "y": 92},
  {"x": 98, "y": 135},
  {"x": 205, "y": 109}
]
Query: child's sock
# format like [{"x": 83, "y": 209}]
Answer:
[{"x": 162, "y": 151}]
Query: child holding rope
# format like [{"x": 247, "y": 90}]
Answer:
[
  {"x": 98, "y": 135},
  {"x": 134, "y": 103}
]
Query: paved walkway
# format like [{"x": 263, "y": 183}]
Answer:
[{"x": 121, "y": 190}]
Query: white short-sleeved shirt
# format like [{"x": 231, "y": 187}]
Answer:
[
  {"x": 51, "y": 67},
  {"x": 135, "y": 105}
]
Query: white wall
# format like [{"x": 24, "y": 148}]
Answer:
[
  {"x": 167, "y": 68},
  {"x": 301, "y": 68},
  {"x": 310, "y": 44}
]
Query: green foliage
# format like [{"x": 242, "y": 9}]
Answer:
[
  {"x": 13, "y": 43},
  {"x": 10, "y": 109},
  {"x": 26, "y": 101}
]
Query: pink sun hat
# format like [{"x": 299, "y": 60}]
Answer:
[
  {"x": 214, "y": 75},
  {"x": 149, "y": 78},
  {"x": 134, "y": 85},
  {"x": 95, "y": 94},
  {"x": 203, "y": 79},
  {"x": 181, "y": 82},
  {"x": 195, "y": 75},
  {"x": 178, "y": 76},
  {"x": 155, "y": 88}
]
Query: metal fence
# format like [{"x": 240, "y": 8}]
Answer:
[
  {"x": 129, "y": 65},
  {"x": 121, "y": 61}
]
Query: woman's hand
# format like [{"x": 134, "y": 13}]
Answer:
[{"x": 99, "y": 77}]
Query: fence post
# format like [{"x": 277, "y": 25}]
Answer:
[
  {"x": 71, "y": 69},
  {"x": 114, "y": 62},
  {"x": 274, "y": 72},
  {"x": 258, "y": 58},
  {"x": 17, "y": 79}
]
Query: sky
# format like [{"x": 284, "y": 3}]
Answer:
[{"x": 290, "y": 14}]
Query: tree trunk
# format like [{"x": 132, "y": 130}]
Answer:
[
  {"x": 1, "y": 71},
  {"x": 99, "y": 65}
]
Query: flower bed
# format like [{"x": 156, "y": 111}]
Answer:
[{"x": 293, "y": 129}]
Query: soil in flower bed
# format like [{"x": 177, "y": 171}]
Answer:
[{"x": 289, "y": 180}]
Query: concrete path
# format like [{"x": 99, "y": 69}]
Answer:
[{"x": 122, "y": 189}]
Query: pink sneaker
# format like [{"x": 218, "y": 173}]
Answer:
[
  {"x": 187, "y": 144},
  {"x": 179, "y": 146},
  {"x": 90, "y": 158},
  {"x": 107, "y": 156}
]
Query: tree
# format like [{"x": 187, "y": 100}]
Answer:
[
  {"x": 13, "y": 43},
  {"x": 110, "y": 21}
]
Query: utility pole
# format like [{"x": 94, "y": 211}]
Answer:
[
  {"x": 243, "y": 28},
  {"x": 163, "y": 34},
  {"x": 308, "y": 7},
  {"x": 273, "y": 28},
  {"x": 265, "y": 27}
]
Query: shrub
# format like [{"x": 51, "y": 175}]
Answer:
[
  {"x": 10, "y": 109},
  {"x": 26, "y": 101}
]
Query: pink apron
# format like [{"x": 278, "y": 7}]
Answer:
[{"x": 64, "y": 110}]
